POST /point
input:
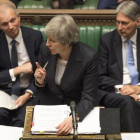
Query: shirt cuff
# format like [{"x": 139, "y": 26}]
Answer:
[
  {"x": 40, "y": 85},
  {"x": 138, "y": 84},
  {"x": 13, "y": 78},
  {"x": 29, "y": 92}
]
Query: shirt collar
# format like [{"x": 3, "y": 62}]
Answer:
[
  {"x": 133, "y": 38},
  {"x": 18, "y": 38}
]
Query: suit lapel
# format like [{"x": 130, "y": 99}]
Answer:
[
  {"x": 138, "y": 52},
  {"x": 51, "y": 70},
  {"x": 118, "y": 51},
  {"x": 28, "y": 44},
  {"x": 73, "y": 66},
  {"x": 4, "y": 51}
]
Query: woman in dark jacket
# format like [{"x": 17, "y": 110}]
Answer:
[{"x": 71, "y": 73}]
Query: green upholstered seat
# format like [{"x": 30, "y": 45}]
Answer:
[
  {"x": 47, "y": 4},
  {"x": 38, "y": 27},
  {"x": 90, "y": 35},
  {"x": 89, "y": 4},
  {"x": 87, "y": 34},
  {"x": 106, "y": 29},
  {"x": 33, "y": 4}
]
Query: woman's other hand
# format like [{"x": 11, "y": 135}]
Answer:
[{"x": 65, "y": 127}]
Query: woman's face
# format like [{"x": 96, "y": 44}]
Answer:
[{"x": 55, "y": 46}]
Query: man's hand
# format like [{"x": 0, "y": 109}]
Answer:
[
  {"x": 25, "y": 68},
  {"x": 65, "y": 127},
  {"x": 135, "y": 96},
  {"x": 40, "y": 74},
  {"x": 128, "y": 90},
  {"x": 22, "y": 100}
]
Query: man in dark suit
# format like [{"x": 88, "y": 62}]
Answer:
[
  {"x": 111, "y": 4},
  {"x": 66, "y": 4},
  {"x": 115, "y": 72},
  {"x": 19, "y": 49}
]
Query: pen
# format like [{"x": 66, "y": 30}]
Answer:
[
  {"x": 43, "y": 68},
  {"x": 45, "y": 65}
]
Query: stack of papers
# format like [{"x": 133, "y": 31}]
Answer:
[{"x": 46, "y": 118}]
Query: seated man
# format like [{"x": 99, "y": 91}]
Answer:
[
  {"x": 66, "y": 4},
  {"x": 119, "y": 67},
  {"x": 111, "y": 4},
  {"x": 19, "y": 49}
]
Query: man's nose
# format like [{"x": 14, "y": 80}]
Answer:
[
  {"x": 10, "y": 25},
  {"x": 119, "y": 26}
]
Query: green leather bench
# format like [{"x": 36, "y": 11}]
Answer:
[
  {"x": 87, "y": 34},
  {"x": 47, "y": 4},
  {"x": 90, "y": 35},
  {"x": 106, "y": 29},
  {"x": 89, "y": 4}
]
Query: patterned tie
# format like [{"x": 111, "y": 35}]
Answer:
[
  {"x": 14, "y": 62},
  {"x": 131, "y": 66}
]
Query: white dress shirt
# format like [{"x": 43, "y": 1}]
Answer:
[
  {"x": 22, "y": 58},
  {"x": 60, "y": 68},
  {"x": 126, "y": 75}
]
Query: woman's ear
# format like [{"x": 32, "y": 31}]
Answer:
[{"x": 68, "y": 44}]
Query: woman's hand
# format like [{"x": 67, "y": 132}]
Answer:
[
  {"x": 65, "y": 127},
  {"x": 40, "y": 74}
]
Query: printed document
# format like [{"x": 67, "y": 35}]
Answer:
[
  {"x": 5, "y": 101},
  {"x": 46, "y": 118}
]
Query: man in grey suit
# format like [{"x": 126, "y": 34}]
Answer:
[
  {"x": 115, "y": 71},
  {"x": 19, "y": 49}
]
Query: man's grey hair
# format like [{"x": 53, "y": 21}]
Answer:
[
  {"x": 8, "y": 5},
  {"x": 63, "y": 28},
  {"x": 130, "y": 9}
]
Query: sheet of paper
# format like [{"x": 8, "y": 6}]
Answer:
[
  {"x": 46, "y": 118},
  {"x": 5, "y": 101},
  {"x": 130, "y": 136},
  {"x": 10, "y": 133},
  {"x": 91, "y": 123}
]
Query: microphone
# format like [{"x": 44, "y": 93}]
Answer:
[{"x": 75, "y": 125}]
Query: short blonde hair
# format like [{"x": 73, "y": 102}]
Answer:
[{"x": 63, "y": 28}]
